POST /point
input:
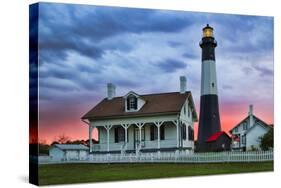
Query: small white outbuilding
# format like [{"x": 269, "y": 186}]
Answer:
[{"x": 67, "y": 152}]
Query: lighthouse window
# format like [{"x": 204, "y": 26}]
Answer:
[{"x": 213, "y": 84}]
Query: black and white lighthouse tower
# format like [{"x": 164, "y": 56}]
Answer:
[{"x": 209, "y": 121}]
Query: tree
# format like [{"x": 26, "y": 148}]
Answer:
[
  {"x": 54, "y": 142},
  {"x": 266, "y": 141},
  {"x": 62, "y": 139}
]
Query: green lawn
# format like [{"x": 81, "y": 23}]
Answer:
[{"x": 82, "y": 173}]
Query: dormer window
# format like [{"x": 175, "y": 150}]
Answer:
[{"x": 132, "y": 103}]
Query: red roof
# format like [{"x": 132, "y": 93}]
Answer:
[{"x": 215, "y": 136}]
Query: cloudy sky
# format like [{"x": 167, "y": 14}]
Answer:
[{"x": 81, "y": 48}]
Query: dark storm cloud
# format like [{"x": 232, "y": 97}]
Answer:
[
  {"x": 57, "y": 48},
  {"x": 78, "y": 28},
  {"x": 171, "y": 65},
  {"x": 174, "y": 44},
  {"x": 244, "y": 34},
  {"x": 264, "y": 71},
  {"x": 127, "y": 83},
  {"x": 190, "y": 55}
]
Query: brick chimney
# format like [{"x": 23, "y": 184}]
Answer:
[
  {"x": 110, "y": 91},
  {"x": 251, "y": 116},
  {"x": 182, "y": 84}
]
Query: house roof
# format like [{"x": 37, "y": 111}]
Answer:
[
  {"x": 215, "y": 136},
  {"x": 255, "y": 117},
  {"x": 131, "y": 93},
  {"x": 71, "y": 146},
  {"x": 263, "y": 125},
  {"x": 160, "y": 103}
]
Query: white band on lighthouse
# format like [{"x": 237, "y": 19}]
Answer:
[{"x": 208, "y": 78}]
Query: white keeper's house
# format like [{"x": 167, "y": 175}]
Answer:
[
  {"x": 247, "y": 133},
  {"x": 136, "y": 123}
]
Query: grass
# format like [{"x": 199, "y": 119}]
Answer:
[{"x": 83, "y": 173}]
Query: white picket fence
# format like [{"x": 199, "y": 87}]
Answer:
[
  {"x": 216, "y": 157},
  {"x": 172, "y": 157}
]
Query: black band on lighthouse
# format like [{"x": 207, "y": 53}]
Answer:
[
  {"x": 209, "y": 121},
  {"x": 208, "y": 45}
]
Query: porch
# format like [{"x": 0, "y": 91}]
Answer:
[{"x": 145, "y": 136}]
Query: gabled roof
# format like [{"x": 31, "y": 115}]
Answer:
[
  {"x": 215, "y": 136},
  {"x": 156, "y": 104},
  {"x": 131, "y": 93},
  {"x": 263, "y": 125},
  {"x": 238, "y": 124},
  {"x": 255, "y": 117},
  {"x": 71, "y": 146}
]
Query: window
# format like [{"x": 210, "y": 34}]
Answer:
[
  {"x": 119, "y": 134},
  {"x": 244, "y": 139},
  {"x": 244, "y": 126},
  {"x": 213, "y": 84},
  {"x": 184, "y": 110},
  {"x": 190, "y": 133},
  {"x": 188, "y": 109},
  {"x": 162, "y": 132},
  {"x": 132, "y": 103},
  {"x": 153, "y": 132},
  {"x": 183, "y": 132}
]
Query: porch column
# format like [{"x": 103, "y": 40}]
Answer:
[
  {"x": 90, "y": 138},
  {"x": 107, "y": 127},
  {"x": 176, "y": 122},
  {"x": 158, "y": 125},
  {"x": 107, "y": 130},
  {"x": 140, "y": 126},
  {"x": 158, "y": 133},
  {"x": 126, "y": 136},
  {"x": 126, "y": 126}
]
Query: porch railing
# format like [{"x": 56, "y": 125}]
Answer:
[{"x": 147, "y": 144}]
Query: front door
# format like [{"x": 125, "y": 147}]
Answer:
[{"x": 137, "y": 136}]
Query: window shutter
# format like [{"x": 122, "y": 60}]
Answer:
[
  {"x": 116, "y": 134},
  {"x": 127, "y": 135},
  {"x": 128, "y": 103},
  {"x": 189, "y": 133},
  {"x": 121, "y": 134},
  {"x": 135, "y": 103},
  {"x": 184, "y": 132},
  {"x": 162, "y": 132},
  {"x": 152, "y": 132}
]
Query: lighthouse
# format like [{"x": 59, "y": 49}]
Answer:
[{"x": 209, "y": 121}]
